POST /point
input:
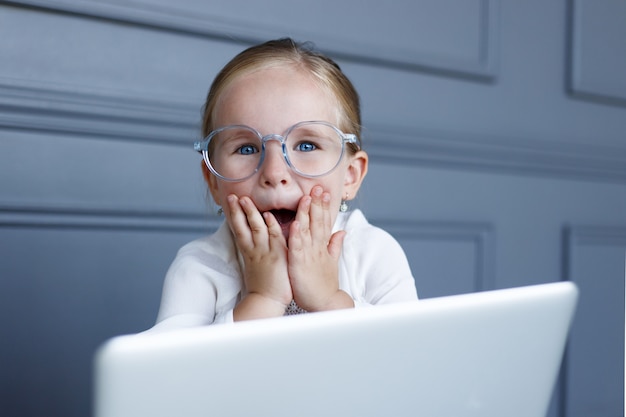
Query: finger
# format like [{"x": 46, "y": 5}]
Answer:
[
  {"x": 238, "y": 221},
  {"x": 296, "y": 245},
  {"x": 319, "y": 215},
  {"x": 275, "y": 232},
  {"x": 257, "y": 225},
  {"x": 303, "y": 216},
  {"x": 328, "y": 225},
  {"x": 336, "y": 243}
]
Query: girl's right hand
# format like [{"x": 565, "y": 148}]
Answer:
[{"x": 261, "y": 242}]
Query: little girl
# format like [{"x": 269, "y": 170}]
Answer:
[{"x": 282, "y": 157}]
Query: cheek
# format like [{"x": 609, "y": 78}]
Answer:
[
  {"x": 334, "y": 186},
  {"x": 223, "y": 189}
]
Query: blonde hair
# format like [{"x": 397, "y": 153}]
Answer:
[{"x": 302, "y": 55}]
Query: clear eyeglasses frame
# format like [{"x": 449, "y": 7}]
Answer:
[{"x": 311, "y": 149}]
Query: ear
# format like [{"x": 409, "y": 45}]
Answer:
[{"x": 357, "y": 169}]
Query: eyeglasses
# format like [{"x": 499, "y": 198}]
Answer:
[{"x": 311, "y": 149}]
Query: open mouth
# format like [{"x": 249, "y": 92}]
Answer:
[{"x": 284, "y": 216}]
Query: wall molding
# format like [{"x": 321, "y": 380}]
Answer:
[
  {"x": 31, "y": 106},
  {"x": 481, "y": 235},
  {"x": 481, "y": 66},
  {"x": 595, "y": 235},
  {"x": 522, "y": 156},
  {"x": 575, "y": 236},
  {"x": 57, "y": 217},
  {"x": 584, "y": 81}
]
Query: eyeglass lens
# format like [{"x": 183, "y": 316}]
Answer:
[{"x": 312, "y": 150}]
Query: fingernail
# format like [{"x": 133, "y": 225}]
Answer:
[{"x": 317, "y": 191}]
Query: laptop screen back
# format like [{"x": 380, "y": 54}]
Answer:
[{"x": 488, "y": 354}]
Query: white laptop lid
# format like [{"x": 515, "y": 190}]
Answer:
[{"x": 488, "y": 354}]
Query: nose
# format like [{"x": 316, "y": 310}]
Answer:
[{"x": 274, "y": 170}]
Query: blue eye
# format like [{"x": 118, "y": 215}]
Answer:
[
  {"x": 306, "y": 147},
  {"x": 247, "y": 150}
]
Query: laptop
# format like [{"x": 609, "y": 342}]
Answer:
[{"x": 487, "y": 354}]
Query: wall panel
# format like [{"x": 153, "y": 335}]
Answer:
[
  {"x": 446, "y": 257},
  {"x": 598, "y": 50},
  {"x": 465, "y": 29},
  {"x": 64, "y": 52},
  {"x": 594, "y": 381},
  {"x": 98, "y": 174},
  {"x": 68, "y": 283}
]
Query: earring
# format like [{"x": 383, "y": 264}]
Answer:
[
  {"x": 220, "y": 211},
  {"x": 343, "y": 207}
]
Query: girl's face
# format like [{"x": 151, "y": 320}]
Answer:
[{"x": 271, "y": 100}]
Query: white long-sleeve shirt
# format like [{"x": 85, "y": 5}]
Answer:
[{"x": 204, "y": 283}]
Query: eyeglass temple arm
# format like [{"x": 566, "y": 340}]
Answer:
[
  {"x": 200, "y": 146},
  {"x": 351, "y": 138}
]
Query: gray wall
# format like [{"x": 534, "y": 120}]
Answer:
[{"x": 496, "y": 130}]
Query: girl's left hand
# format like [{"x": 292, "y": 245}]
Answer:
[{"x": 313, "y": 255}]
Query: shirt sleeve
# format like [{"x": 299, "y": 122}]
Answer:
[
  {"x": 200, "y": 288},
  {"x": 224, "y": 317},
  {"x": 187, "y": 291}
]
